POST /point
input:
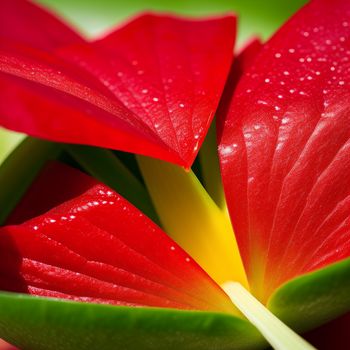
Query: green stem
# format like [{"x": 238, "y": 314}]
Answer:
[
  {"x": 278, "y": 334},
  {"x": 106, "y": 167}
]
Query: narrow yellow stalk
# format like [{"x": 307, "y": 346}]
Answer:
[{"x": 193, "y": 220}]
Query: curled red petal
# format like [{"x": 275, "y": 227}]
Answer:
[
  {"x": 285, "y": 149},
  {"x": 42, "y": 196},
  {"x": 150, "y": 87},
  {"x": 97, "y": 247}
]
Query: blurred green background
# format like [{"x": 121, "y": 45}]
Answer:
[{"x": 93, "y": 17}]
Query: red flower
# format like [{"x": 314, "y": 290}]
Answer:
[{"x": 151, "y": 88}]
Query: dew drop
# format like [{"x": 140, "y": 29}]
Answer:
[
  {"x": 285, "y": 120},
  {"x": 226, "y": 150}
]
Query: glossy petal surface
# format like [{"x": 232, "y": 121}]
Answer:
[
  {"x": 285, "y": 149},
  {"x": 150, "y": 87},
  {"x": 99, "y": 248}
]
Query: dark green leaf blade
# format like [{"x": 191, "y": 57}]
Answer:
[{"x": 315, "y": 298}]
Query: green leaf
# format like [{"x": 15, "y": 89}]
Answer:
[
  {"x": 49, "y": 324},
  {"x": 315, "y": 298},
  {"x": 19, "y": 170}
]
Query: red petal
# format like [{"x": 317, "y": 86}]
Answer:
[
  {"x": 43, "y": 196},
  {"x": 242, "y": 62},
  {"x": 24, "y": 22},
  {"x": 6, "y": 346},
  {"x": 97, "y": 247},
  {"x": 150, "y": 87},
  {"x": 285, "y": 150}
]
